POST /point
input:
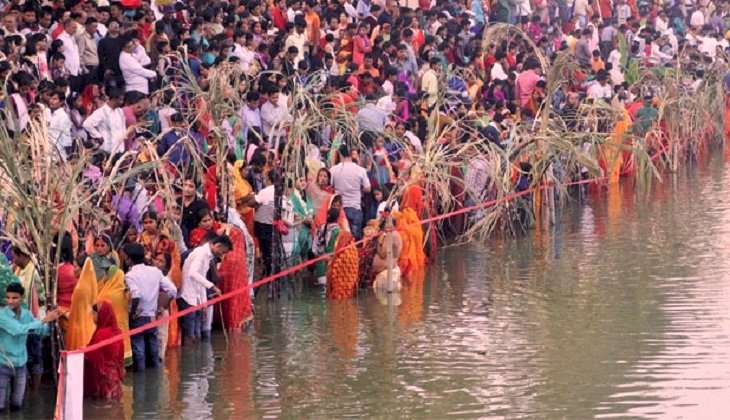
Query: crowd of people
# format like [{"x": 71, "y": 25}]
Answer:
[{"x": 108, "y": 81}]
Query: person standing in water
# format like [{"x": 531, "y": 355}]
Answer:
[{"x": 16, "y": 323}]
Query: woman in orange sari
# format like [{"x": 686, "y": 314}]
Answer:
[{"x": 343, "y": 268}]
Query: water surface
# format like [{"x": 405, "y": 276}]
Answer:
[{"x": 621, "y": 310}]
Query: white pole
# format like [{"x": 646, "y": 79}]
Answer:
[
  {"x": 389, "y": 252},
  {"x": 73, "y": 401}
]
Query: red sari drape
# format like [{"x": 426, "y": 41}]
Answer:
[
  {"x": 104, "y": 368},
  {"x": 233, "y": 273}
]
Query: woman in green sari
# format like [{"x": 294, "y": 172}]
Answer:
[
  {"x": 103, "y": 257},
  {"x": 303, "y": 216}
]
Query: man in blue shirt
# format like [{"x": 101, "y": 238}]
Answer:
[
  {"x": 174, "y": 142},
  {"x": 15, "y": 324}
]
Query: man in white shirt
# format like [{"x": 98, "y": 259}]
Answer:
[
  {"x": 623, "y": 12},
  {"x": 708, "y": 44},
  {"x": 144, "y": 283},
  {"x": 59, "y": 127},
  {"x": 241, "y": 51},
  {"x": 582, "y": 10},
  {"x": 263, "y": 222},
  {"x": 600, "y": 88},
  {"x": 107, "y": 124},
  {"x": 350, "y": 181},
  {"x": 71, "y": 52},
  {"x": 497, "y": 72},
  {"x": 298, "y": 39},
  {"x": 661, "y": 24},
  {"x": 697, "y": 19},
  {"x": 131, "y": 62},
  {"x": 430, "y": 82},
  {"x": 274, "y": 117},
  {"x": 195, "y": 283}
]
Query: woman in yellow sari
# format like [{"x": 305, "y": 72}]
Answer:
[
  {"x": 81, "y": 324},
  {"x": 114, "y": 291}
]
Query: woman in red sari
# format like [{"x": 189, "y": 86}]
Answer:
[
  {"x": 206, "y": 224},
  {"x": 104, "y": 367},
  {"x": 233, "y": 273}
]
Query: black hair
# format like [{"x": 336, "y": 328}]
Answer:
[
  {"x": 15, "y": 288},
  {"x": 134, "y": 251},
  {"x": 222, "y": 240},
  {"x": 344, "y": 151},
  {"x": 333, "y": 215},
  {"x": 17, "y": 250},
  {"x": 201, "y": 214},
  {"x": 168, "y": 262},
  {"x": 152, "y": 215}
]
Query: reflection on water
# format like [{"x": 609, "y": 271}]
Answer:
[{"x": 621, "y": 309}]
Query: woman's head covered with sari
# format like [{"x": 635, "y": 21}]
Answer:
[{"x": 105, "y": 318}]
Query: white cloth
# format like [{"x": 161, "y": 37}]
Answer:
[
  {"x": 194, "y": 272},
  {"x": 144, "y": 283},
  {"x": 273, "y": 116},
  {"x": 430, "y": 85},
  {"x": 107, "y": 124},
  {"x": 20, "y": 117},
  {"x": 244, "y": 55},
  {"x": 71, "y": 53},
  {"x": 414, "y": 140},
  {"x": 265, "y": 212},
  {"x": 135, "y": 75},
  {"x": 297, "y": 40},
  {"x": 596, "y": 91},
  {"x": 498, "y": 72},
  {"x": 250, "y": 118},
  {"x": 708, "y": 45},
  {"x": 59, "y": 131},
  {"x": 697, "y": 20}
]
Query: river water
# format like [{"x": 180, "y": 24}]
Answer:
[{"x": 621, "y": 310}]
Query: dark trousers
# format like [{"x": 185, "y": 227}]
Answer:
[
  {"x": 145, "y": 347},
  {"x": 12, "y": 381},
  {"x": 191, "y": 323},
  {"x": 354, "y": 218},
  {"x": 265, "y": 234}
]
